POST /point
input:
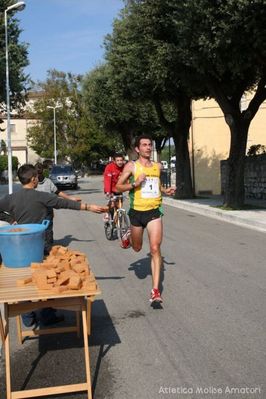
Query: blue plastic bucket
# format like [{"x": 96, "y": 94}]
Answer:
[{"x": 20, "y": 248}]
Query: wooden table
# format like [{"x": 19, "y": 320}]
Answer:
[{"x": 19, "y": 300}]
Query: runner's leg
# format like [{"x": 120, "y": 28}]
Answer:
[
  {"x": 155, "y": 232},
  {"x": 136, "y": 237}
]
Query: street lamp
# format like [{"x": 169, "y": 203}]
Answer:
[
  {"x": 55, "y": 151},
  {"x": 19, "y": 7}
]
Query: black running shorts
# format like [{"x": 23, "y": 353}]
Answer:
[{"x": 142, "y": 218}]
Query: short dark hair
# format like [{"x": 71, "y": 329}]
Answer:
[
  {"x": 143, "y": 136},
  {"x": 118, "y": 155},
  {"x": 39, "y": 167},
  {"x": 26, "y": 172}
]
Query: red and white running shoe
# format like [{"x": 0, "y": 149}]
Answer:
[
  {"x": 155, "y": 296},
  {"x": 125, "y": 240}
]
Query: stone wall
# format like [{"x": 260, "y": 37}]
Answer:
[{"x": 255, "y": 176}]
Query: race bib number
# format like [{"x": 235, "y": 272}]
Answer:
[{"x": 150, "y": 188}]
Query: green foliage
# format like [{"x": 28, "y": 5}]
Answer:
[
  {"x": 118, "y": 116},
  {"x": 3, "y": 147},
  {"x": 165, "y": 152},
  {"x": 202, "y": 48},
  {"x": 18, "y": 60},
  {"x": 256, "y": 149},
  {"x": 78, "y": 138},
  {"x": 4, "y": 163}
]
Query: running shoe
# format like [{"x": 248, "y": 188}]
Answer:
[
  {"x": 155, "y": 296},
  {"x": 106, "y": 217},
  {"x": 125, "y": 241}
]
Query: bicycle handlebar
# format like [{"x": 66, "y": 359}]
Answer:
[{"x": 116, "y": 197}]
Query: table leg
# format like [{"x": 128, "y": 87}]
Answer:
[
  {"x": 86, "y": 347},
  {"x": 88, "y": 315},
  {"x": 19, "y": 329},
  {"x": 2, "y": 330},
  {"x": 7, "y": 353},
  {"x": 78, "y": 323}
]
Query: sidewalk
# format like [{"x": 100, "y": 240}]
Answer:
[{"x": 253, "y": 218}]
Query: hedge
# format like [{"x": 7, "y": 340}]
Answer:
[{"x": 4, "y": 163}]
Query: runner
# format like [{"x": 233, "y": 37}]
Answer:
[
  {"x": 111, "y": 175},
  {"x": 142, "y": 179}
]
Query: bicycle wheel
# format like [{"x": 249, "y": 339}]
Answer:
[
  {"x": 109, "y": 230},
  {"x": 122, "y": 223}
]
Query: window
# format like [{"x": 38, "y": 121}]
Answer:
[{"x": 12, "y": 128}]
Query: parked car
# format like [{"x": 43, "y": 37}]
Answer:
[{"x": 64, "y": 176}]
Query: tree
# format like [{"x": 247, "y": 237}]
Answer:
[
  {"x": 146, "y": 68},
  {"x": 18, "y": 60},
  {"x": 117, "y": 115},
  {"x": 77, "y": 135},
  {"x": 4, "y": 163},
  {"x": 223, "y": 43}
]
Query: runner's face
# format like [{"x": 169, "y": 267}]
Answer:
[
  {"x": 119, "y": 161},
  {"x": 145, "y": 148}
]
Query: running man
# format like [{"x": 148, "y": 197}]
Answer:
[{"x": 142, "y": 179}]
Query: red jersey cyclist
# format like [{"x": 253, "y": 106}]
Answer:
[{"x": 111, "y": 175}]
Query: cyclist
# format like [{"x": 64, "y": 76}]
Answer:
[
  {"x": 111, "y": 175},
  {"x": 142, "y": 179}
]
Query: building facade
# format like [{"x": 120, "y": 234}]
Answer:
[{"x": 209, "y": 142}]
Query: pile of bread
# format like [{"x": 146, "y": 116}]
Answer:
[{"x": 62, "y": 270}]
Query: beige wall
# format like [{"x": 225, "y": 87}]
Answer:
[
  {"x": 19, "y": 142},
  {"x": 210, "y": 138}
]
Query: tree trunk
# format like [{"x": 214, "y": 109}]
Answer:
[
  {"x": 183, "y": 170},
  {"x": 128, "y": 141},
  {"x": 234, "y": 196},
  {"x": 180, "y": 136},
  {"x": 179, "y": 131},
  {"x": 159, "y": 145}
]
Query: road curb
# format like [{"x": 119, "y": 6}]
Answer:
[{"x": 241, "y": 218}]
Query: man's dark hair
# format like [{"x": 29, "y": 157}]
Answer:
[
  {"x": 26, "y": 172},
  {"x": 39, "y": 167},
  {"x": 118, "y": 155},
  {"x": 143, "y": 136}
]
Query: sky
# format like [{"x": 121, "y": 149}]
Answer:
[{"x": 66, "y": 35}]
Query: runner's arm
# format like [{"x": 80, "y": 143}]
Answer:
[
  {"x": 168, "y": 190},
  {"x": 123, "y": 184}
]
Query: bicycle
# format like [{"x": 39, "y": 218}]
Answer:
[{"x": 118, "y": 221}]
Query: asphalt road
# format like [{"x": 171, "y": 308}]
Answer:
[{"x": 208, "y": 340}]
